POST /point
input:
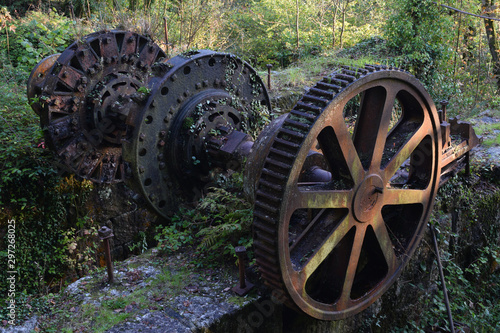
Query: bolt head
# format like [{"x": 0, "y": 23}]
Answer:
[{"x": 240, "y": 249}]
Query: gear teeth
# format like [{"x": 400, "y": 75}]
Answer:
[
  {"x": 315, "y": 99},
  {"x": 321, "y": 92},
  {"x": 263, "y": 195},
  {"x": 263, "y": 217},
  {"x": 328, "y": 86},
  {"x": 278, "y": 165},
  {"x": 370, "y": 68},
  {"x": 270, "y": 173},
  {"x": 297, "y": 135},
  {"x": 296, "y": 125},
  {"x": 266, "y": 207},
  {"x": 304, "y": 116},
  {"x": 308, "y": 107}
]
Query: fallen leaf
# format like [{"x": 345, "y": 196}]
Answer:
[{"x": 186, "y": 303}]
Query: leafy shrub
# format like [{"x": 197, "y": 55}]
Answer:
[
  {"x": 28, "y": 40},
  {"x": 48, "y": 209},
  {"x": 419, "y": 33},
  {"x": 219, "y": 222}
]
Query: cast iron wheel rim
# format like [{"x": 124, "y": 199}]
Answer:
[
  {"x": 363, "y": 247},
  {"x": 194, "y": 77},
  {"x": 36, "y": 78},
  {"x": 71, "y": 98}
]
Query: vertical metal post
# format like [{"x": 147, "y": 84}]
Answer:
[
  {"x": 166, "y": 34},
  {"x": 105, "y": 234},
  {"x": 244, "y": 286},
  {"x": 444, "y": 103},
  {"x": 443, "y": 282},
  {"x": 241, "y": 267},
  {"x": 269, "y": 66}
]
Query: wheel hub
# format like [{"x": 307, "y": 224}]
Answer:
[
  {"x": 368, "y": 198},
  {"x": 90, "y": 100},
  {"x": 112, "y": 104}
]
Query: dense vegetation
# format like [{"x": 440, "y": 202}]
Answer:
[{"x": 451, "y": 53}]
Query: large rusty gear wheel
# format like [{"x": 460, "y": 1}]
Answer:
[
  {"x": 89, "y": 96},
  {"x": 203, "y": 94},
  {"x": 334, "y": 245}
]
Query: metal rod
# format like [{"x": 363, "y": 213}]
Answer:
[
  {"x": 244, "y": 286},
  {"x": 444, "y": 103},
  {"x": 269, "y": 66},
  {"x": 443, "y": 282},
  {"x": 240, "y": 252},
  {"x": 105, "y": 234},
  {"x": 309, "y": 226},
  {"x": 109, "y": 263},
  {"x": 467, "y": 163},
  {"x": 467, "y": 13},
  {"x": 166, "y": 34}
]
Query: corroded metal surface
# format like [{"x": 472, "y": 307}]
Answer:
[
  {"x": 460, "y": 138},
  {"x": 89, "y": 97},
  {"x": 334, "y": 245},
  {"x": 35, "y": 81},
  {"x": 188, "y": 127}
]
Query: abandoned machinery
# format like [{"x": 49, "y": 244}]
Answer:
[{"x": 342, "y": 185}]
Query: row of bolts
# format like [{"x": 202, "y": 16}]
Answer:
[
  {"x": 244, "y": 287},
  {"x": 105, "y": 234}
]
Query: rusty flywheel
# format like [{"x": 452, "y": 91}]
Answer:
[{"x": 334, "y": 234}]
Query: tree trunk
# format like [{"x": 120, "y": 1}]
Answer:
[
  {"x": 335, "y": 11},
  {"x": 493, "y": 44},
  {"x": 181, "y": 23},
  {"x": 297, "y": 23},
  {"x": 344, "y": 12}
]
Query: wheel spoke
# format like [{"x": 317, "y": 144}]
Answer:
[
  {"x": 323, "y": 198},
  {"x": 373, "y": 123},
  {"x": 397, "y": 196},
  {"x": 328, "y": 245},
  {"x": 345, "y": 297},
  {"x": 339, "y": 151},
  {"x": 378, "y": 149},
  {"x": 385, "y": 242},
  {"x": 405, "y": 152}
]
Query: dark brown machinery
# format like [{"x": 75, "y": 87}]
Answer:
[{"x": 343, "y": 185}]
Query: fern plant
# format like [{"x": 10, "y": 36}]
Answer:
[{"x": 221, "y": 221}]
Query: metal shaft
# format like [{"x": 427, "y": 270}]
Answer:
[
  {"x": 240, "y": 252},
  {"x": 243, "y": 287},
  {"x": 109, "y": 263},
  {"x": 105, "y": 234},
  {"x": 269, "y": 66},
  {"x": 443, "y": 282}
]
